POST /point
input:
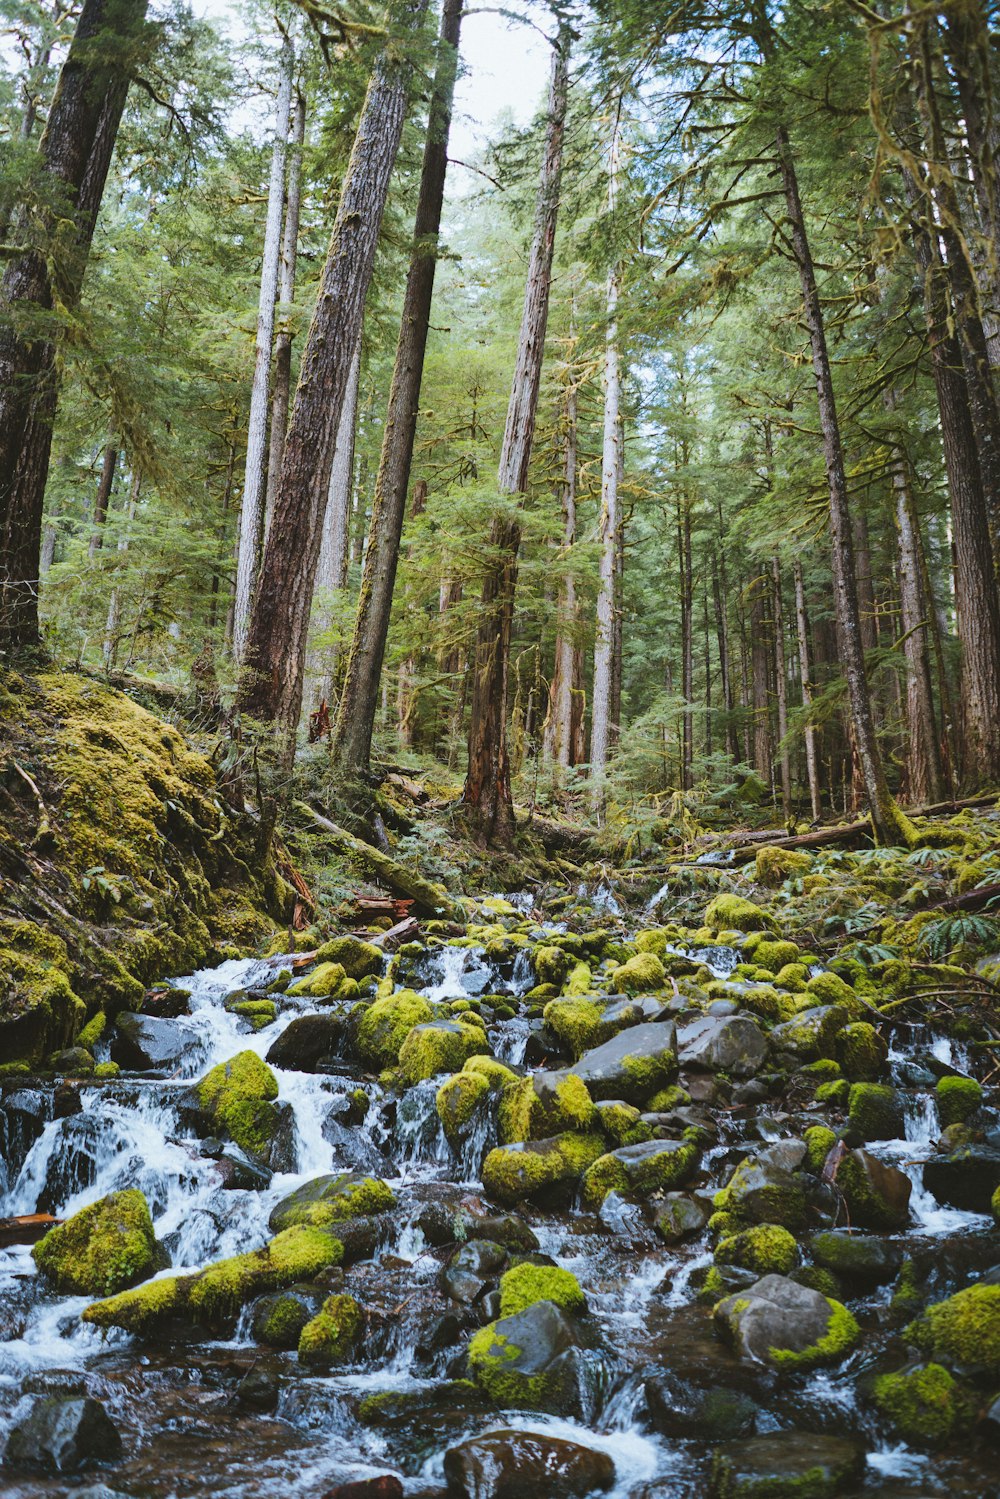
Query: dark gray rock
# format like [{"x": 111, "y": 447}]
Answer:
[
  {"x": 734, "y": 1044},
  {"x": 62, "y": 1434},
  {"x": 472, "y": 1269},
  {"x": 776, "y": 1320},
  {"x": 966, "y": 1179},
  {"x": 143, "y": 1043},
  {"x": 788, "y": 1462},
  {"x": 633, "y": 1065},
  {"x": 306, "y": 1042}
]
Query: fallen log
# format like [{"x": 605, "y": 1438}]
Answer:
[
  {"x": 27, "y": 1228},
  {"x": 816, "y": 837},
  {"x": 432, "y": 898},
  {"x": 404, "y": 931},
  {"x": 971, "y": 900}
]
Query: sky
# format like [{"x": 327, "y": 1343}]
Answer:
[{"x": 505, "y": 69}]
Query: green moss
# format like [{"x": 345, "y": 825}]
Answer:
[
  {"x": 528, "y": 1114},
  {"x": 102, "y": 1249},
  {"x": 385, "y": 1025},
  {"x": 793, "y": 977},
  {"x": 333, "y": 1199},
  {"x": 733, "y": 913},
  {"x": 439, "y": 1046},
  {"x": 875, "y": 1112},
  {"x": 819, "y": 1142},
  {"x": 837, "y": 1093},
  {"x": 216, "y": 1294},
  {"x": 142, "y": 1311},
  {"x": 668, "y": 1099},
  {"x": 107, "y": 1069},
  {"x": 830, "y": 989},
  {"x": 775, "y": 955},
  {"x": 965, "y": 1328},
  {"x": 958, "y": 1098},
  {"x": 773, "y": 866},
  {"x": 512, "y": 1173},
  {"x": 924, "y": 1405},
  {"x": 93, "y": 1031},
  {"x": 641, "y": 974},
  {"x": 458, "y": 1100},
  {"x": 39, "y": 1011},
  {"x": 525, "y": 1284},
  {"x": 259, "y": 1012},
  {"x": 358, "y": 959},
  {"x": 908, "y": 1293},
  {"x": 492, "y": 1362},
  {"x": 332, "y": 1334},
  {"x": 496, "y": 1073},
  {"x": 579, "y": 980},
  {"x": 237, "y": 1095},
  {"x": 623, "y": 1123},
  {"x": 766, "y": 1248},
  {"x": 576, "y": 1022},
  {"x": 862, "y": 1051},
  {"x": 279, "y": 1320},
  {"x": 842, "y": 1332},
  {"x": 324, "y": 982},
  {"x": 551, "y": 964},
  {"x": 661, "y": 1172}
]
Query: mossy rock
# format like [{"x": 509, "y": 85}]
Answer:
[
  {"x": 550, "y": 965},
  {"x": 358, "y": 959},
  {"x": 513, "y": 1173},
  {"x": 963, "y": 1330},
  {"x": 385, "y": 1025},
  {"x": 39, "y": 1011},
  {"x": 327, "y": 1200},
  {"x": 458, "y": 1102},
  {"x": 214, "y": 1296},
  {"x": 875, "y": 1112},
  {"x": 957, "y": 1099},
  {"x": 325, "y": 982},
  {"x": 733, "y": 913},
  {"x": 545, "y": 1104},
  {"x": 529, "y": 1361},
  {"x": 773, "y": 866},
  {"x": 103, "y": 1249},
  {"x": 236, "y": 1100},
  {"x": 925, "y": 1404},
  {"x": 786, "y": 1325},
  {"x": 767, "y": 1248},
  {"x": 820, "y": 1140},
  {"x": 830, "y": 989},
  {"x": 862, "y": 1052},
  {"x": 332, "y": 1335},
  {"x": 278, "y": 1319},
  {"x": 837, "y": 1093},
  {"x": 440, "y": 1046},
  {"x": 774, "y": 956},
  {"x": 525, "y": 1284},
  {"x": 641, "y": 974},
  {"x": 652, "y": 1166},
  {"x": 576, "y": 1021},
  {"x": 622, "y": 1123}
]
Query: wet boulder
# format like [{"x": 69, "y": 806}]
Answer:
[
  {"x": 102, "y": 1249},
  {"x": 633, "y": 1065},
  {"x": 359, "y": 959},
  {"x": 786, "y": 1325},
  {"x": 812, "y": 1033},
  {"x": 472, "y": 1270},
  {"x": 962, "y": 1330},
  {"x": 512, "y": 1173},
  {"x": 652, "y": 1166},
  {"x": 62, "y": 1434},
  {"x": 875, "y": 1112},
  {"x": 235, "y": 1101},
  {"x": 441, "y": 1046},
  {"x": 380, "y": 1030},
  {"x": 857, "y": 1257},
  {"x": 330, "y": 1199},
  {"x": 877, "y": 1195},
  {"x": 769, "y": 1187},
  {"x": 966, "y": 1179},
  {"x": 680, "y": 1217},
  {"x": 143, "y": 1043},
  {"x": 923, "y": 1404},
  {"x": 733, "y": 1044},
  {"x": 331, "y": 1336},
  {"x": 525, "y": 1465},
  {"x": 682, "y": 1409},
  {"x": 307, "y": 1041},
  {"x": 788, "y": 1462},
  {"x": 545, "y": 1104},
  {"x": 531, "y": 1361},
  {"x": 278, "y": 1319}
]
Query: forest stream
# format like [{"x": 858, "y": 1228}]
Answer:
[{"x": 634, "y": 1387}]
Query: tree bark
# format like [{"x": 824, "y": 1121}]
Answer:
[
  {"x": 271, "y": 683},
  {"x": 331, "y": 569},
  {"x": 281, "y": 395},
  {"x": 352, "y": 738},
  {"x": 687, "y": 633},
  {"x": 253, "y": 483},
  {"x": 104, "y": 487},
  {"x": 887, "y": 822},
  {"x": 812, "y": 768},
  {"x": 781, "y": 689},
  {"x": 487, "y": 792},
  {"x": 558, "y": 731},
  {"x": 113, "y": 623},
  {"x": 75, "y": 150},
  {"x": 925, "y": 782}
]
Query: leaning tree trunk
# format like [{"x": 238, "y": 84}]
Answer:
[
  {"x": 75, "y": 150},
  {"x": 487, "y": 792},
  {"x": 352, "y": 739},
  {"x": 282, "y": 382},
  {"x": 812, "y": 767},
  {"x": 271, "y": 682},
  {"x": 254, "y": 480},
  {"x": 888, "y": 824}
]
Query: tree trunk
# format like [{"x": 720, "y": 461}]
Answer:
[
  {"x": 760, "y": 669},
  {"x": 812, "y": 769},
  {"x": 271, "y": 683},
  {"x": 618, "y": 618},
  {"x": 887, "y": 822},
  {"x": 286, "y": 296},
  {"x": 558, "y": 730},
  {"x": 781, "y": 690},
  {"x": 487, "y": 791},
  {"x": 331, "y": 569},
  {"x": 101, "y": 499},
  {"x": 75, "y": 150},
  {"x": 113, "y": 623},
  {"x": 925, "y": 782},
  {"x": 977, "y": 607},
  {"x": 687, "y": 633},
  {"x": 253, "y": 483},
  {"x": 359, "y": 700}
]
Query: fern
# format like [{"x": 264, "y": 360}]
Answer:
[{"x": 941, "y": 938}]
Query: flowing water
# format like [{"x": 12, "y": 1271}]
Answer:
[{"x": 186, "y": 1430}]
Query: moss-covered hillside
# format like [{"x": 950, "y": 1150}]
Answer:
[{"x": 120, "y": 861}]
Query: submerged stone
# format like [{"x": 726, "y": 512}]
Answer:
[
  {"x": 525, "y": 1465},
  {"x": 330, "y": 1199},
  {"x": 787, "y": 1465},
  {"x": 651, "y": 1166},
  {"x": 62, "y": 1434}
]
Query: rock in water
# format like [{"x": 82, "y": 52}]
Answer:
[
  {"x": 62, "y": 1435},
  {"x": 525, "y": 1465},
  {"x": 308, "y": 1040},
  {"x": 386, "y": 1486},
  {"x": 633, "y": 1065},
  {"x": 147, "y": 1044},
  {"x": 787, "y": 1463},
  {"x": 530, "y": 1360},
  {"x": 778, "y": 1322},
  {"x": 733, "y": 1044}
]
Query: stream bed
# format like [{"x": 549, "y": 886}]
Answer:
[{"x": 210, "y": 1415}]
